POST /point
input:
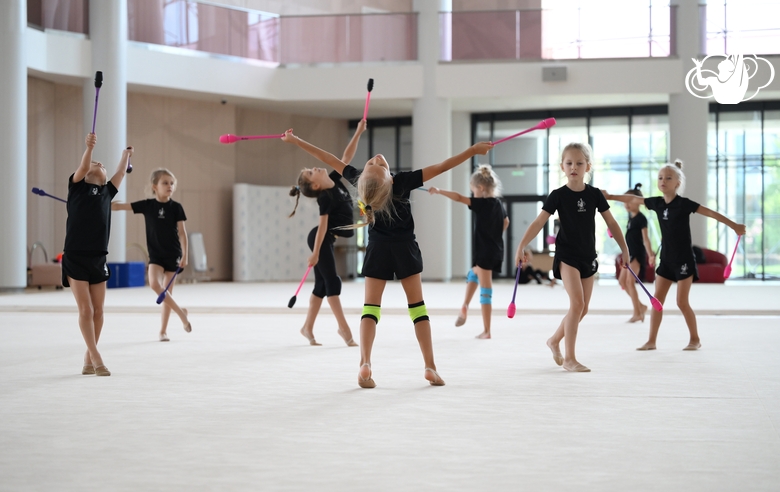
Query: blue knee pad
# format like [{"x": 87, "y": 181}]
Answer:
[
  {"x": 472, "y": 277},
  {"x": 486, "y": 295}
]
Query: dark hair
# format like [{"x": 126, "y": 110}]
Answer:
[
  {"x": 303, "y": 188},
  {"x": 636, "y": 191}
]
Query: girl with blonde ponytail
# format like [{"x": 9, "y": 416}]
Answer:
[
  {"x": 487, "y": 251},
  {"x": 392, "y": 251}
]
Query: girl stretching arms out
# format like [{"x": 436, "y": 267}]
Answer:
[{"x": 392, "y": 251}]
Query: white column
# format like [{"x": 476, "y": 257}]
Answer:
[
  {"x": 108, "y": 34},
  {"x": 689, "y": 116},
  {"x": 13, "y": 145},
  {"x": 461, "y": 215},
  {"x": 431, "y": 137}
]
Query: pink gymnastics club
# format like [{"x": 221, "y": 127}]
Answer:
[
  {"x": 229, "y": 139},
  {"x": 727, "y": 271},
  {"x": 541, "y": 126},
  {"x": 510, "y": 311},
  {"x": 655, "y": 302},
  {"x": 368, "y": 97},
  {"x": 295, "y": 297}
]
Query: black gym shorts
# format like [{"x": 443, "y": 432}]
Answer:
[
  {"x": 587, "y": 268},
  {"x": 388, "y": 260},
  {"x": 92, "y": 269},
  {"x": 678, "y": 271},
  {"x": 168, "y": 264}
]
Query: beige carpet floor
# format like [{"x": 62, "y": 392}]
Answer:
[{"x": 243, "y": 403}]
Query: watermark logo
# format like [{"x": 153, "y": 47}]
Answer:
[{"x": 730, "y": 84}]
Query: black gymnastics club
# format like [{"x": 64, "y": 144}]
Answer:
[
  {"x": 370, "y": 87},
  {"x": 40, "y": 192},
  {"x": 161, "y": 297},
  {"x": 98, "y": 85},
  {"x": 129, "y": 166}
]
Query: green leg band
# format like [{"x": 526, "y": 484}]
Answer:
[
  {"x": 371, "y": 311},
  {"x": 418, "y": 312}
]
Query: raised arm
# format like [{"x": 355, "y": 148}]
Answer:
[
  {"x": 450, "y": 194},
  {"x": 121, "y": 168},
  {"x": 185, "y": 245},
  {"x": 322, "y": 155},
  {"x": 86, "y": 159},
  {"x": 349, "y": 152},
  {"x": 740, "y": 229},
  {"x": 624, "y": 198},
  {"x": 431, "y": 172},
  {"x": 530, "y": 233},
  {"x": 116, "y": 206},
  {"x": 617, "y": 234}
]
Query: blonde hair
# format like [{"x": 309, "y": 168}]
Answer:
[
  {"x": 159, "y": 173},
  {"x": 303, "y": 188},
  {"x": 485, "y": 177},
  {"x": 587, "y": 153},
  {"x": 677, "y": 168},
  {"x": 375, "y": 197}
]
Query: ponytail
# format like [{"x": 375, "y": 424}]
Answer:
[
  {"x": 636, "y": 190},
  {"x": 296, "y": 192},
  {"x": 303, "y": 188}
]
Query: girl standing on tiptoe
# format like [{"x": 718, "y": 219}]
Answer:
[
  {"x": 84, "y": 267},
  {"x": 488, "y": 248},
  {"x": 166, "y": 240},
  {"x": 677, "y": 261},
  {"x": 639, "y": 249},
  {"x": 575, "y": 246},
  {"x": 335, "y": 205},
  {"x": 392, "y": 251}
]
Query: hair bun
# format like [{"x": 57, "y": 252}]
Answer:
[
  {"x": 678, "y": 163},
  {"x": 638, "y": 186},
  {"x": 485, "y": 169},
  {"x": 295, "y": 191}
]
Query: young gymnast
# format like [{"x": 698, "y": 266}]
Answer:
[
  {"x": 335, "y": 205},
  {"x": 575, "y": 246},
  {"x": 392, "y": 251},
  {"x": 677, "y": 261},
  {"x": 166, "y": 240},
  {"x": 487, "y": 251},
  {"x": 88, "y": 227},
  {"x": 639, "y": 249}
]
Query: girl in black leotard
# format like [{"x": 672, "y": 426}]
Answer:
[{"x": 639, "y": 247}]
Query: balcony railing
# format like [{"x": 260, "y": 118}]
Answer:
[{"x": 623, "y": 31}]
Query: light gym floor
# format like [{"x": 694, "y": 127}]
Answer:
[{"x": 244, "y": 403}]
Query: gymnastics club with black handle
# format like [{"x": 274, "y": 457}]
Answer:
[
  {"x": 98, "y": 85},
  {"x": 161, "y": 297},
  {"x": 40, "y": 192}
]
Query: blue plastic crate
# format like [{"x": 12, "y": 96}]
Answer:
[{"x": 129, "y": 274}]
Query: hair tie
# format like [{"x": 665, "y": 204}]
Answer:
[
  {"x": 362, "y": 206},
  {"x": 297, "y": 187}
]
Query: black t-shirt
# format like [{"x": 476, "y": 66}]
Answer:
[
  {"x": 675, "y": 223},
  {"x": 162, "y": 226},
  {"x": 89, "y": 217},
  {"x": 634, "y": 237},
  {"x": 399, "y": 227},
  {"x": 576, "y": 239},
  {"x": 336, "y": 203},
  {"x": 488, "y": 227}
]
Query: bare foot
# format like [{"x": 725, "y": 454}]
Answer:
[
  {"x": 647, "y": 346},
  {"x": 574, "y": 366},
  {"x": 462, "y": 316},
  {"x": 433, "y": 377},
  {"x": 693, "y": 345},
  {"x": 308, "y": 335},
  {"x": 187, "y": 324},
  {"x": 556, "y": 352},
  {"x": 364, "y": 376},
  {"x": 347, "y": 336},
  {"x": 485, "y": 335},
  {"x": 640, "y": 316}
]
